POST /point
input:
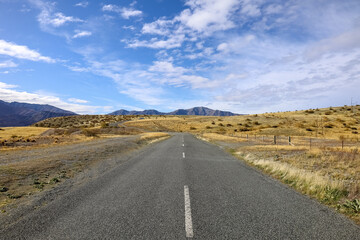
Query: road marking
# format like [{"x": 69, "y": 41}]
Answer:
[
  {"x": 183, "y": 155},
  {"x": 183, "y": 145},
  {"x": 188, "y": 218}
]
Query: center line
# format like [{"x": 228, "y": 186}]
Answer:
[
  {"x": 183, "y": 155},
  {"x": 183, "y": 145},
  {"x": 188, "y": 218}
]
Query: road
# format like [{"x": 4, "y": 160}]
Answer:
[{"x": 182, "y": 188}]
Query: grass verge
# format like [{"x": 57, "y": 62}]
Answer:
[{"x": 331, "y": 176}]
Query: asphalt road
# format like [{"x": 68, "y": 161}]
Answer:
[{"x": 180, "y": 188}]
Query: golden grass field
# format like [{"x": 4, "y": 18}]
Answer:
[{"x": 13, "y": 132}]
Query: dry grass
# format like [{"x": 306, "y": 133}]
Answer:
[
  {"x": 153, "y": 135},
  {"x": 25, "y": 132},
  {"x": 220, "y": 137}
]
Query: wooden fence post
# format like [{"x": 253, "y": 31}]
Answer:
[
  {"x": 289, "y": 140},
  {"x": 342, "y": 145},
  {"x": 275, "y": 140},
  {"x": 247, "y": 136},
  {"x": 310, "y": 143}
]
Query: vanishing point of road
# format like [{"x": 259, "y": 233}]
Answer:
[{"x": 183, "y": 188}]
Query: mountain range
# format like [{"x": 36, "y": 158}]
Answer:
[
  {"x": 200, "y": 111},
  {"x": 23, "y": 114}
]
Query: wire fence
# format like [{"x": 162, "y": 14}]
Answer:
[{"x": 300, "y": 141}]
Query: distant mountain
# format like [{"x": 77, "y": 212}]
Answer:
[
  {"x": 24, "y": 114},
  {"x": 145, "y": 112},
  {"x": 200, "y": 111}
]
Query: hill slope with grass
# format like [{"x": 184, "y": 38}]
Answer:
[{"x": 24, "y": 114}]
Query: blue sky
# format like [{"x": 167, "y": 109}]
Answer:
[{"x": 245, "y": 56}]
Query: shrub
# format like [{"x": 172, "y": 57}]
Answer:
[
  {"x": 328, "y": 113},
  {"x": 192, "y": 128},
  {"x": 104, "y": 124},
  {"x": 89, "y": 132}
]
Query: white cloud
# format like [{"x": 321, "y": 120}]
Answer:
[
  {"x": 6, "y": 86},
  {"x": 75, "y": 100},
  {"x": 80, "y": 34},
  {"x": 9, "y": 94},
  {"x": 208, "y": 16},
  {"x": 273, "y": 9},
  {"x": 250, "y": 8},
  {"x": 159, "y": 27},
  {"x": 132, "y": 28},
  {"x": 123, "y": 11},
  {"x": 167, "y": 68},
  {"x": 202, "y": 18},
  {"x": 49, "y": 18},
  {"x": 172, "y": 42},
  {"x": 58, "y": 19},
  {"x": 8, "y": 64},
  {"x": 82, "y": 4},
  {"x": 22, "y": 52}
]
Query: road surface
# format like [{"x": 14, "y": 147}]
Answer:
[{"x": 182, "y": 188}]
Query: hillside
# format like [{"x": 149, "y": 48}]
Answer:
[
  {"x": 24, "y": 114},
  {"x": 196, "y": 111}
]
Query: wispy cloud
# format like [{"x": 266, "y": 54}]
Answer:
[
  {"x": 80, "y": 34},
  {"x": 22, "y": 52},
  {"x": 75, "y": 100},
  {"x": 123, "y": 11},
  {"x": 48, "y": 16},
  {"x": 8, "y": 64},
  {"x": 83, "y": 4}
]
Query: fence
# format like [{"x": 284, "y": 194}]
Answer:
[{"x": 310, "y": 142}]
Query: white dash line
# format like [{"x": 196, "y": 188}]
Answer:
[
  {"x": 183, "y": 145},
  {"x": 188, "y": 218},
  {"x": 183, "y": 155}
]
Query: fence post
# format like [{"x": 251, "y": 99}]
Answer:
[
  {"x": 289, "y": 140},
  {"x": 310, "y": 143},
  {"x": 275, "y": 140},
  {"x": 342, "y": 145},
  {"x": 247, "y": 136}
]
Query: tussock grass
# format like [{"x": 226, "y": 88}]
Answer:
[{"x": 311, "y": 183}]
